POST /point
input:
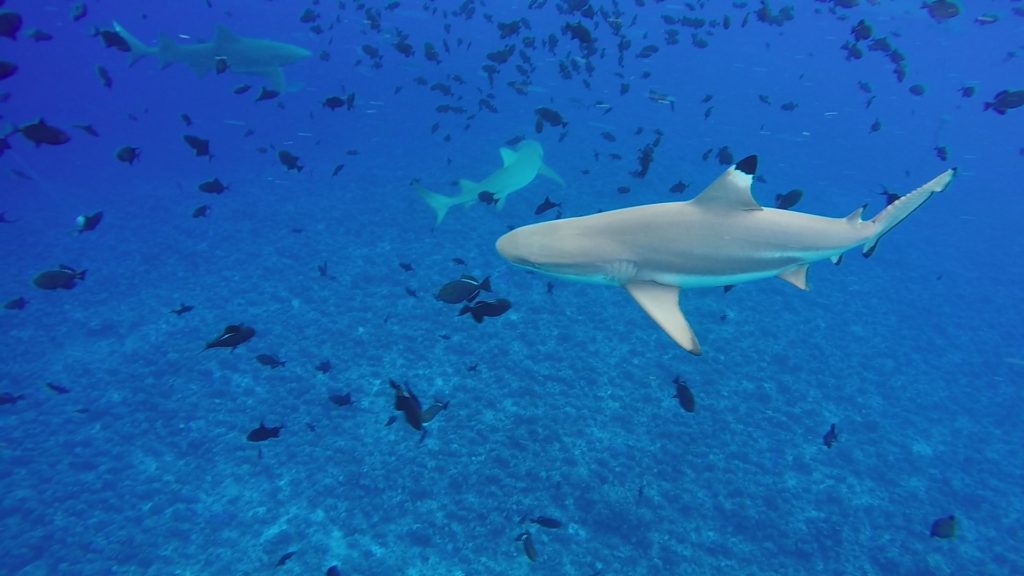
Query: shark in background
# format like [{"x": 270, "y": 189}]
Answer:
[
  {"x": 722, "y": 237},
  {"x": 519, "y": 168},
  {"x": 237, "y": 54}
]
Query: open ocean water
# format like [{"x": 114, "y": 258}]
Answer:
[{"x": 123, "y": 447}]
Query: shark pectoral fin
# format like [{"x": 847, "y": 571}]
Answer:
[
  {"x": 546, "y": 170},
  {"x": 508, "y": 155},
  {"x": 662, "y": 304},
  {"x": 796, "y": 276},
  {"x": 274, "y": 78}
]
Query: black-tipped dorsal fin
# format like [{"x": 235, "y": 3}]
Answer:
[{"x": 731, "y": 190}]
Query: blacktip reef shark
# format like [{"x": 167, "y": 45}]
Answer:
[
  {"x": 720, "y": 238},
  {"x": 519, "y": 167},
  {"x": 252, "y": 56}
]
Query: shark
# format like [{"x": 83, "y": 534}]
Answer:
[
  {"x": 227, "y": 52},
  {"x": 519, "y": 168},
  {"x": 722, "y": 237}
]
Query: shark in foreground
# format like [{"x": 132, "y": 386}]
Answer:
[
  {"x": 519, "y": 168},
  {"x": 251, "y": 56},
  {"x": 722, "y": 237}
]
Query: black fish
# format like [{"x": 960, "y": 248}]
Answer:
[
  {"x": 549, "y": 116},
  {"x": 407, "y": 266},
  {"x": 323, "y": 367},
  {"x": 270, "y": 360},
  {"x": 546, "y": 205},
  {"x": 8, "y": 398},
  {"x": 333, "y": 571},
  {"x": 79, "y": 11},
  {"x": 942, "y": 153},
  {"x": 486, "y": 309},
  {"x": 63, "y": 277},
  {"x": 105, "y": 78},
  {"x": 4, "y": 220},
  {"x": 111, "y": 39},
  {"x": 285, "y": 558},
  {"x": 39, "y": 133},
  {"x": 341, "y": 399},
  {"x": 458, "y": 261},
  {"x": 263, "y": 433},
  {"x": 830, "y": 437},
  {"x": 679, "y": 187},
  {"x": 187, "y": 120},
  {"x": 684, "y": 395},
  {"x": 789, "y": 199},
  {"x": 7, "y": 69},
  {"x": 944, "y": 527},
  {"x": 128, "y": 154},
  {"x": 18, "y": 303},
  {"x": 242, "y": 88},
  {"x": 214, "y": 186},
  {"x": 10, "y": 25},
  {"x": 267, "y": 94},
  {"x": 290, "y": 161},
  {"x": 57, "y": 388},
  {"x": 546, "y": 522},
  {"x": 1006, "y": 100},
  {"x": 88, "y": 222},
  {"x": 220, "y": 64},
  {"x": 337, "y": 169},
  {"x": 890, "y": 197},
  {"x": 487, "y": 198},
  {"x": 201, "y": 146},
  {"x": 232, "y": 337},
  {"x": 332, "y": 103},
  {"x": 465, "y": 289},
  {"x": 201, "y": 211},
  {"x": 861, "y": 31},
  {"x": 88, "y": 129},
  {"x": 183, "y": 309},
  {"x": 528, "y": 548},
  {"x": 408, "y": 404}
]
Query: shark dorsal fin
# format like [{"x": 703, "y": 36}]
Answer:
[
  {"x": 508, "y": 155},
  {"x": 223, "y": 36},
  {"x": 731, "y": 190},
  {"x": 856, "y": 215}
]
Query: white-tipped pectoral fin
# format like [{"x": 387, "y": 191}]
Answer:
[{"x": 662, "y": 304}]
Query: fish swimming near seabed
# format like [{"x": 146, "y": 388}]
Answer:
[
  {"x": 722, "y": 237},
  {"x": 251, "y": 56},
  {"x": 519, "y": 168}
]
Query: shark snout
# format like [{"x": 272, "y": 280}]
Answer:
[{"x": 511, "y": 247}]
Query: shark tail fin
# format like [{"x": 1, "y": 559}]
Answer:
[
  {"x": 894, "y": 213},
  {"x": 439, "y": 202},
  {"x": 138, "y": 49}
]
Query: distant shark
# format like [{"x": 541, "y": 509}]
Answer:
[
  {"x": 519, "y": 168},
  {"x": 252, "y": 56},
  {"x": 720, "y": 238}
]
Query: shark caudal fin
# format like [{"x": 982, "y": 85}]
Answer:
[
  {"x": 438, "y": 202},
  {"x": 138, "y": 49},
  {"x": 894, "y": 213}
]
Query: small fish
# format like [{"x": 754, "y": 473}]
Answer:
[
  {"x": 220, "y": 64},
  {"x": 324, "y": 366},
  {"x": 183, "y": 309},
  {"x": 789, "y": 199},
  {"x": 233, "y": 336},
  {"x": 967, "y": 91},
  {"x": 18, "y": 303},
  {"x": 289, "y": 160},
  {"x": 64, "y": 277},
  {"x": 341, "y": 399},
  {"x": 684, "y": 395},
  {"x": 105, "y": 78},
  {"x": 57, "y": 388},
  {"x": 11, "y": 399},
  {"x": 487, "y": 197},
  {"x": 941, "y": 10},
  {"x": 284, "y": 558},
  {"x": 486, "y": 309},
  {"x": 333, "y": 571},
  {"x": 917, "y": 89},
  {"x": 88, "y": 129},
  {"x": 40, "y": 36},
  {"x": 944, "y": 527},
  {"x": 875, "y": 126},
  {"x": 458, "y": 261},
  {"x": 186, "y": 119},
  {"x": 214, "y": 186},
  {"x": 406, "y": 266},
  {"x": 270, "y": 360},
  {"x": 789, "y": 106},
  {"x": 408, "y": 404},
  {"x": 128, "y": 154},
  {"x": 201, "y": 211},
  {"x": 88, "y": 222},
  {"x": 39, "y": 133},
  {"x": 332, "y": 103},
  {"x": 465, "y": 289},
  {"x": 337, "y": 170},
  {"x": 942, "y": 153},
  {"x": 528, "y": 548},
  {"x": 201, "y": 146},
  {"x": 267, "y": 94},
  {"x": 546, "y": 205},
  {"x": 7, "y": 69},
  {"x": 546, "y": 522},
  {"x": 830, "y": 437},
  {"x": 242, "y": 89},
  {"x": 1005, "y": 100},
  {"x": 79, "y": 11},
  {"x": 263, "y": 433},
  {"x": 890, "y": 197}
]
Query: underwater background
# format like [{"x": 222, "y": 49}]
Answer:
[{"x": 123, "y": 447}]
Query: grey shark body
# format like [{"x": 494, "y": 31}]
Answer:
[
  {"x": 720, "y": 238},
  {"x": 241, "y": 55}
]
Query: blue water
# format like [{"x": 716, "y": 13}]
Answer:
[{"x": 143, "y": 467}]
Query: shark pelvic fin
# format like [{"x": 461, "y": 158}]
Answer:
[
  {"x": 662, "y": 304},
  {"x": 508, "y": 155},
  {"x": 796, "y": 276},
  {"x": 547, "y": 172},
  {"x": 731, "y": 190}
]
